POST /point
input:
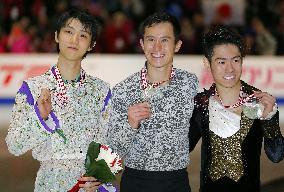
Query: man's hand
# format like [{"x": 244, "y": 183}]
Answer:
[
  {"x": 44, "y": 103},
  {"x": 91, "y": 184},
  {"x": 267, "y": 100},
  {"x": 137, "y": 113}
]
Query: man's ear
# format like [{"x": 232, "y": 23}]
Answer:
[
  {"x": 178, "y": 46},
  {"x": 206, "y": 63},
  {"x": 141, "y": 44},
  {"x": 56, "y": 37}
]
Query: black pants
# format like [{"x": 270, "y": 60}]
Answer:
[{"x": 133, "y": 180}]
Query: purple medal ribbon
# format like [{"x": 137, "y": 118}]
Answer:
[
  {"x": 53, "y": 116},
  {"x": 26, "y": 91}
]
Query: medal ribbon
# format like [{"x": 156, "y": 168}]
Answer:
[
  {"x": 240, "y": 101},
  {"x": 146, "y": 84},
  {"x": 62, "y": 92}
]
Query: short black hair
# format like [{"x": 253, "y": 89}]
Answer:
[
  {"x": 88, "y": 21},
  {"x": 161, "y": 17},
  {"x": 219, "y": 35}
]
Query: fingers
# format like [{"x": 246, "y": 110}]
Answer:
[
  {"x": 91, "y": 184},
  {"x": 137, "y": 113},
  {"x": 44, "y": 103},
  {"x": 44, "y": 97},
  {"x": 267, "y": 100},
  {"x": 265, "y": 97},
  {"x": 88, "y": 179},
  {"x": 139, "y": 109},
  {"x": 45, "y": 94}
]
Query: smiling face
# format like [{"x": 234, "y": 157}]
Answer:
[
  {"x": 74, "y": 40},
  {"x": 159, "y": 45},
  {"x": 226, "y": 66}
]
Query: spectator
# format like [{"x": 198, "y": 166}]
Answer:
[
  {"x": 265, "y": 42},
  {"x": 188, "y": 37},
  {"x": 44, "y": 14},
  {"x": 19, "y": 39},
  {"x": 3, "y": 41},
  {"x": 118, "y": 34},
  {"x": 280, "y": 37}
]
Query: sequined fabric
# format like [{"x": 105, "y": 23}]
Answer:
[
  {"x": 82, "y": 121},
  {"x": 271, "y": 130},
  {"x": 227, "y": 153},
  {"x": 161, "y": 142}
]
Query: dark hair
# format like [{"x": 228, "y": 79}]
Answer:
[
  {"x": 220, "y": 35},
  {"x": 88, "y": 21},
  {"x": 161, "y": 17}
]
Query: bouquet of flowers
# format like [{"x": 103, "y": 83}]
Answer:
[{"x": 100, "y": 163}]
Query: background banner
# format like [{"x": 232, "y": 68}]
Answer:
[{"x": 266, "y": 73}]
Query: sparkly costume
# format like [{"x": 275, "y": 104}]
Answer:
[
  {"x": 81, "y": 120},
  {"x": 231, "y": 144},
  {"x": 161, "y": 142}
]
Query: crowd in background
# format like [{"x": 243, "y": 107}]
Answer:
[{"x": 27, "y": 26}]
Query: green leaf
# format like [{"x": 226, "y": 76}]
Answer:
[
  {"x": 100, "y": 170},
  {"x": 61, "y": 134},
  {"x": 92, "y": 154}
]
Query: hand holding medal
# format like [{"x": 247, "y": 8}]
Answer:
[
  {"x": 251, "y": 105},
  {"x": 267, "y": 102},
  {"x": 141, "y": 111},
  {"x": 43, "y": 109},
  {"x": 137, "y": 113},
  {"x": 253, "y": 109},
  {"x": 260, "y": 106},
  {"x": 44, "y": 103}
]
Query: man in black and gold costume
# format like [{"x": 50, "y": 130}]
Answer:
[{"x": 232, "y": 130}]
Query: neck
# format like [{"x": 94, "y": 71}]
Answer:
[
  {"x": 156, "y": 75},
  {"x": 69, "y": 70},
  {"x": 229, "y": 95}
]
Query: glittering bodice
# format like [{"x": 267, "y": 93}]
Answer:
[{"x": 227, "y": 153}]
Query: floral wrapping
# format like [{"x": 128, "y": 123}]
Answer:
[
  {"x": 82, "y": 120},
  {"x": 103, "y": 164}
]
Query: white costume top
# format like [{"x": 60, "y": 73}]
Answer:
[
  {"x": 82, "y": 120},
  {"x": 223, "y": 122}
]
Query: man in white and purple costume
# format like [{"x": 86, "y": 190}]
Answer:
[{"x": 57, "y": 114}]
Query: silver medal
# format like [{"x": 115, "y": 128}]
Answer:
[
  {"x": 253, "y": 109},
  {"x": 151, "y": 92}
]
